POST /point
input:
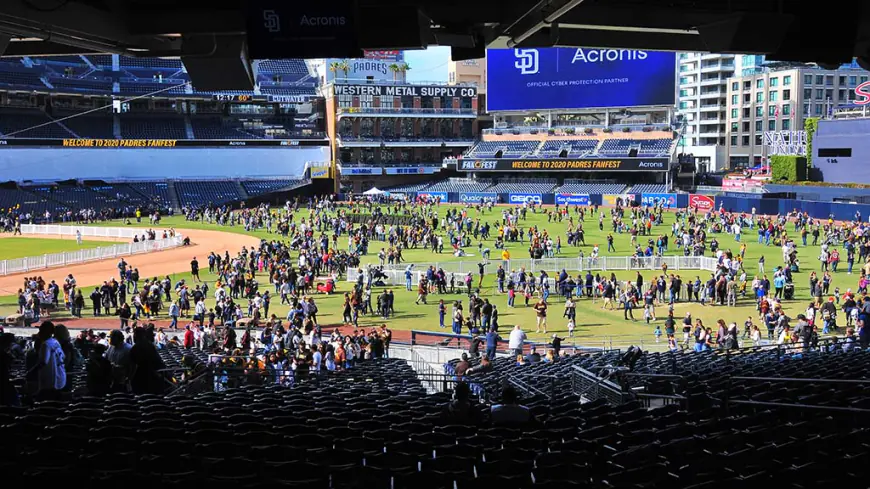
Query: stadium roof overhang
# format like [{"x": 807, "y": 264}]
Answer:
[{"x": 217, "y": 38}]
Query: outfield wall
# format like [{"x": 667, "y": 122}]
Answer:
[{"x": 732, "y": 202}]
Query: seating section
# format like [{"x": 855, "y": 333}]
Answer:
[
  {"x": 75, "y": 197},
  {"x": 645, "y": 147},
  {"x": 591, "y": 188},
  {"x": 531, "y": 186},
  {"x": 276, "y": 90},
  {"x": 18, "y": 75},
  {"x": 375, "y": 426},
  {"x": 149, "y": 63},
  {"x": 28, "y": 202},
  {"x": 215, "y": 128},
  {"x": 260, "y": 187},
  {"x": 13, "y": 121},
  {"x": 88, "y": 84},
  {"x": 575, "y": 148},
  {"x": 146, "y": 87},
  {"x": 89, "y": 126},
  {"x": 649, "y": 188},
  {"x": 414, "y": 187},
  {"x": 283, "y": 66},
  {"x": 152, "y": 127},
  {"x": 103, "y": 60},
  {"x": 460, "y": 185},
  {"x": 156, "y": 192},
  {"x": 202, "y": 193},
  {"x": 515, "y": 149}
]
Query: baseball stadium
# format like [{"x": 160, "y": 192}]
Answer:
[{"x": 254, "y": 248}]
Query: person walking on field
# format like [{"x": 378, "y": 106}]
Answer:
[{"x": 78, "y": 237}]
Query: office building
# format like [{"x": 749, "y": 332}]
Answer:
[{"x": 774, "y": 99}]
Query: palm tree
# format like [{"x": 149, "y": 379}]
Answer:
[
  {"x": 344, "y": 66},
  {"x": 394, "y": 68},
  {"x": 403, "y": 69},
  {"x": 334, "y": 68}
]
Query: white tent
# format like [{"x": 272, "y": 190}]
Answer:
[{"x": 374, "y": 191}]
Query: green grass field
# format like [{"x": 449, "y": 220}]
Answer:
[
  {"x": 595, "y": 327},
  {"x": 19, "y": 247}
]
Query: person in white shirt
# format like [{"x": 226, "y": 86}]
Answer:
[
  {"x": 516, "y": 339},
  {"x": 51, "y": 369}
]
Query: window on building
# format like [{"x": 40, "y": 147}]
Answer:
[
  {"x": 829, "y": 80},
  {"x": 759, "y": 111},
  {"x": 863, "y": 79},
  {"x": 786, "y": 125},
  {"x": 735, "y": 86},
  {"x": 774, "y": 82},
  {"x": 759, "y": 83},
  {"x": 853, "y": 80},
  {"x": 734, "y": 100},
  {"x": 746, "y": 98},
  {"x": 758, "y": 139},
  {"x": 771, "y": 110},
  {"x": 808, "y": 79},
  {"x": 829, "y": 94},
  {"x": 772, "y": 96},
  {"x": 746, "y": 112},
  {"x": 746, "y": 126},
  {"x": 684, "y": 55},
  {"x": 759, "y": 97},
  {"x": 684, "y": 80},
  {"x": 771, "y": 125},
  {"x": 786, "y": 94},
  {"x": 817, "y": 109},
  {"x": 733, "y": 140},
  {"x": 758, "y": 126},
  {"x": 842, "y": 79},
  {"x": 806, "y": 109},
  {"x": 808, "y": 93},
  {"x": 747, "y": 85},
  {"x": 820, "y": 79},
  {"x": 842, "y": 96},
  {"x": 684, "y": 105},
  {"x": 734, "y": 127},
  {"x": 786, "y": 109},
  {"x": 684, "y": 68},
  {"x": 684, "y": 93},
  {"x": 733, "y": 113},
  {"x": 820, "y": 94},
  {"x": 744, "y": 141}
]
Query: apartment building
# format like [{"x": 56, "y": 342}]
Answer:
[
  {"x": 773, "y": 99},
  {"x": 703, "y": 90}
]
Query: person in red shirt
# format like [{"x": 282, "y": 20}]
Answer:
[{"x": 188, "y": 337}]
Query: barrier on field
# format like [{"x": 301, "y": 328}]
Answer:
[
  {"x": 396, "y": 273},
  {"x": 26, "y": 264},
  {"x": 90, "y": 231}
]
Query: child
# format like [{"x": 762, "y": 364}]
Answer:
[
  {"x": 570, "y": 327},
  {"x": 442, "y": 311},
  {"x": 672, "y": 344},
  {"x": 837, "y": 295},
  {"x": 511, "y": 296},
  {"x": 658, "y": 333},
  {"x": 747, "y": 327}
]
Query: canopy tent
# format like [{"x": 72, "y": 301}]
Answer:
[{"x": 374, "y": 191}]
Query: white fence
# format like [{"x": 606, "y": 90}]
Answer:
[
  {"x": 92, "y": 231},
  {"x": 26, "y": 264},
  {"x": 396, "y": 273}
]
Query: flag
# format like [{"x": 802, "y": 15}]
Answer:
[{"x": 776, "y": 111}]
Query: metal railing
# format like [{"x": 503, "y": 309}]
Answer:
[
  {"x": 65, "y": 258},
  {"x": 591, "y": 387},
  {"x": 396, "y": 273}
]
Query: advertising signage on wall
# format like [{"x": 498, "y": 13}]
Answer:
[
  {"x": 477, "y": 197},
  {"x": 414, "y": 170},
  {"x": 572, "y": 199},
  {"x": 555, "y": 165},
  {"x": 581, "y": 78},
  {"x": 158, "y": 143},
  {"x": 666, "y": 200},
  {"x": 703, "y": 203},
  {"x": 405, "y": 90}
]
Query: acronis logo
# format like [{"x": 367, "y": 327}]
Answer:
[{"x": 606, "y": 55}]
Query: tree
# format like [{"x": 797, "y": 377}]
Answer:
[
  {"x": 394, "y": 68},
  {"x": 334, "y": 67},
  {"x": 403, "y": 69}
]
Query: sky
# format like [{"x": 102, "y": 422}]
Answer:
[{"x": 428, "y": 64}]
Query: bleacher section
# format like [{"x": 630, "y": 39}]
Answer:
[
  {"x": 200, "y": 194},
  {"x": 283, "y": 66},
  {"x": 149, "y": 63},
  {"x": 275, "y": 90},
  {"x": 28, "y": 203},
  {"x": 414, "y": 187},
  {"x": 156, "y": 192},
  {"x": 574, "y": 148},
  {"x": 87, "y": 84},
  {"x": 489, "y": 149},
  {"x": 152, "y": 127},
  {"x": 93, "y": 125}
]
